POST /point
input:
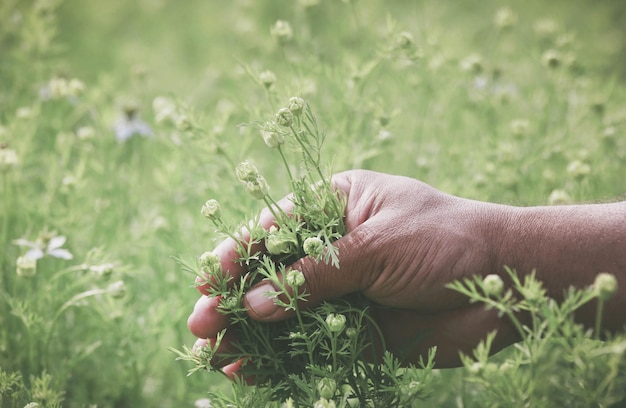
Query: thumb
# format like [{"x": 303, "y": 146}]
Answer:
[{"x": 321, "y": 281}]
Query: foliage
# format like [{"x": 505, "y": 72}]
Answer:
[{"x": 118, "y": 119}]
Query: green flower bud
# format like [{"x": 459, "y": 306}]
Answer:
[
  {"x": 351, "y": 332},
  {"x": 211, "y": 209},
  {"x": 327, "y": 387},
  {"x": 272, "y": 139},
  {"x": 246, "y": 172},
  {"x": 229, "y": 302},
  {"x": 288, "y": 403},
  {"x": 493, "y": 285},
  {"x": 519, "y": 127},
  {"x": 117, "y": 289},
  {"x": 75, "y": 87},
  {"x": 578, "y": 169},
  {"x": 409, "y": 390},
  {"x": 278, "y": 242},
  {"x": 210, "y": 263},
  {"x": 313, "y": 247},
  {"x": 605, "y": 286},
  {"x": 258, "y": 188},
  {"x": 336, "y": 322},
  {"x": 103, "y": 270},
  {"x": 551, "y": 59},
  {"x": 26, "y": 267},
  {"x": 284, "y": 117},
  {"x": 324, "y": 403},
  {"x": 267, "y": 78},
  {"x": 282, "y": 32},
  {"x": 295, "y": 278},
  {"x": 404, "y": 40},
  {"x": 505, "y": 18},
  {"x": 558, "y": 197},
  {"x": 296, "y": 105},
  {"x": 472, "y": 63}
]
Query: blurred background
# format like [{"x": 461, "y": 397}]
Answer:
[{"x": 519, "y": 102}]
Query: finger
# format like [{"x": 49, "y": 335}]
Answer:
[
  {"x": 321, "y": 281},
  {"x": 206, "y": 321},
  {"x": 219, "y": 357},
  {"x": 227, "y": 250}
]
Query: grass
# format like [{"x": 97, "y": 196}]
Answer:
[{"x": 510, "y": 113}]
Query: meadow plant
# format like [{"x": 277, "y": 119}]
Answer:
[{"x": 318, "y": 358}]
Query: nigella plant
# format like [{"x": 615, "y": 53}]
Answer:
[{"x": 320, "y": 356}]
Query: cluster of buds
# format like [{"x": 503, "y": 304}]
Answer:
[
  {"x": 249, "y": 176},
  {"x": 58, "y": 88},
  {"x": 271, "y": 131}
]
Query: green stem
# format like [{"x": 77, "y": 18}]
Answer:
[{"x": 599, "y": 312}]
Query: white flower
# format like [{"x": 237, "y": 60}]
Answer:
[{"x": 44, "y": 246}]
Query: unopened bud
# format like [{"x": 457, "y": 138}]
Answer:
[
  {"x": 324, "y": 403},
  {"x": 282, "y": 32},
  {"x": 267, "y": 78},
  {"x": 295, "y": 278},
  {"x": 246, "y": 172},
  {"x": 258, "y": 188},
  {"x": 210, "y": 263},
  {"x": 327, "y": 387},
  {"x": 272, "y": 139},
  {"x": 336, "y": 322},
  {"x": 279, "y": 243},
  {"x": 296, "y": 105},
  {"x": 313, "y": 247},
  {"x": 117, "y": 289},
  {"x": 211, "y": 209},
  {"x": 605, "y": 285},
  {"x": 493, "y": 285},
  {"x": 284, "y": 117}
]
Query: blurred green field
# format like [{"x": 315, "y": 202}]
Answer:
[{"x": 507, "y": 101}]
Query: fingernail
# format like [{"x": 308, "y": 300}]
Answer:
[{"x": 261, "y": 300}]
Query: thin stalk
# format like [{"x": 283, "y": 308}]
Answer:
[{"x": 599, "y": 313}]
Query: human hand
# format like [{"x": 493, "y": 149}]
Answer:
[{"x": 405, "y": 242}]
